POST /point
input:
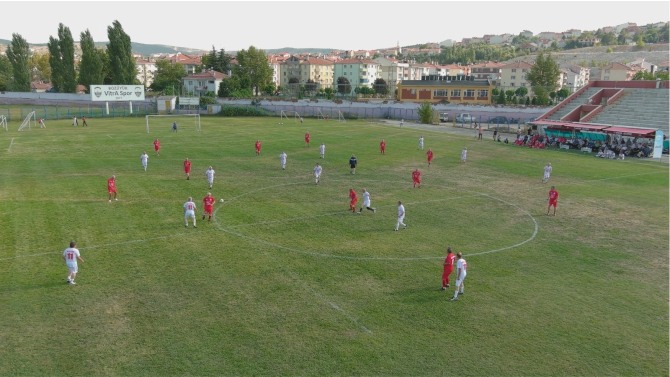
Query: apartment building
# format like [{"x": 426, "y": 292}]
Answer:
[
  {"x": 513, "y": 75},
  {"x": 486, "y": 71},
  {"x": 204, "y": 82},
  {"x": 300, "y": 70},
  {"x": 574, "y": 77},
  {"x": 359, "y": 72},
  {"x": 617, "y": 72}
]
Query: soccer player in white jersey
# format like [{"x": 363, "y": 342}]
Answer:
[
  {"x": 145, "y": 159},
  {"x": 282, "y": 160},
  {"x": 421, "y": 142},
  {"x": 366, "y": 202},
  {"x": 464, "y": 155},
  {"x": 210, "y": 176},
  {"x": 461, "y": 271},
  {"x": 189, "y": 211},
  {"x": 547, "y": 173},
  {"x": 71, "y": 255},
  {"x": 322, "y": 150},
  {"x": 317, "y": 172},
  {"x": 401, "y": 217}
]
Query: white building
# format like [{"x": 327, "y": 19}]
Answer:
[
  {"x": 145, "y": 71},
  {"x": 393, "y": 71},
  {"x": 447, "y": 43},
  {"x": 204, "y": 82}
]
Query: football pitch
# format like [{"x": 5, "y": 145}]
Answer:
[{"x": 285, "y": 280}]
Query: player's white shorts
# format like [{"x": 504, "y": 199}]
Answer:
[
  {"x": 144, "y": 163},
  {"x": 317, "y": 175},
  {"x": 73, "y": 268},
  {"x": 210, "y": 180},
  {"x": 366, "y": 203},
  {"x": 283, "y": 162},
  {"x": 546, "y": 176},
  {"x": 460, "y": 281},
  {"x": 190, "y": 214},
  {"x": 401, "y": 218}
]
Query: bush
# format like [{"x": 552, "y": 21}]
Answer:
[{"x": 240, "y": 111}]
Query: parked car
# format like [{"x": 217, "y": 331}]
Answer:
[
  {"x": 444, "y": 117},
  {"x": 465, "y": 118},
  {"x": 498, "y": 120}
]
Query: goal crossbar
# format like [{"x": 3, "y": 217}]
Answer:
[
  {"x": 196, "y": 118},
  {"x": 27, "y": 121},
  {"x": 3, "y": 122},
  {"x": 286, "y": 114}
]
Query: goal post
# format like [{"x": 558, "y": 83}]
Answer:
[
  {"x": 27, "y": 121},
  {"x": 290, "y": 114},
  {"x": 196, "y": 119},
  {"x": 340, "y": 116},
  {"x": 3, "y": 122}
]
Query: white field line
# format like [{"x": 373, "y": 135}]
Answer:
[{"x": 10, "y": 144}]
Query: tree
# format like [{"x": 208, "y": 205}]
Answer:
[
  {"x": 509, "y": 93},
  {"x": 552, "y": 95},
  {"x": 639, "y": 42},
  {"x": 644, "y": 75},
  {"x": 521, "y": 92},
  {"x": 18, "y": 53},
  {"x": 563, "y": 93},
  {"x": 329, "y": 92},
  {"x": 381, "y": 87},
  {"x": 121, "y": 62},
  {"x": 253, "y": 65},
  {"x": 425, "y": 112},
  {"x": 61, "y": 60},
  {"x": 663, "y": 76},
  {"x": 310, "y": 85},
  {"x": 608, "y": 39},
  {"x": 501, "y": 98},
  {"x": 343, "y": 86},
  {"x": 527, "y": 100},
  {"x": 168, "y": 75},
  {"x": 543, "y": 77},
  {"x": 40, "y": 68},
  {"x": 623, "y": 35},
  {"x": 5, "y": 73},
  {"x": 270, "y": 88},
  {"x": 495, "y": 91},
  {"x": 91, "y": 64},
  {"x": 218, "y": 61}
]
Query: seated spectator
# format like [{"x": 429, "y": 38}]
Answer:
[
  {"x": 506, "y": 141},
  {"x": 499, "y": 140},
  {"x": 601, "y": 153}
]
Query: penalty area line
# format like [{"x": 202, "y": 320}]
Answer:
[{"x": 10, "y": 144}]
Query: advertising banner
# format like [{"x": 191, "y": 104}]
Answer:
[
  {"x": 658, "y": 144},
  {"x": 117, "y": 93}
]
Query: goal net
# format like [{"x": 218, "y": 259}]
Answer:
[
  {"x": 340, "y": 116},
  {"x": 322, "y": 116},
  {"x": 169, "y": 120},
  {"x": 290, "y": 114},
  {"x": 3, "y": 122},
  {"x": 29, "y": 121}
]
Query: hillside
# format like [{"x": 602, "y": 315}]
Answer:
[{"x": 619, "y": 54}]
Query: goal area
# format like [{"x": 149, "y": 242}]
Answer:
[{"x": 175, "y": 119}]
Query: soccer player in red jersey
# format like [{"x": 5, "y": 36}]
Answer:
[
  {"x": 157, "y": 147},
  {"x": 258, "y": 147},
  {"x": 382, "y": 146},
  {"x": 111, "y": 188},
  {"x": 430, "y": 156},
  {"x": 448, "y": 268},
  {"x": 307, "y": 139},
  {"x": 416, "y": 177},
  {"x": 208, "y": 203},
  {"x": 187, "y": 169},
  {"x": 553, "y": 199},
  {"x": 354, "y": 200}
]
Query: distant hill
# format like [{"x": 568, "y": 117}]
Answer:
[
  {"x": 139, "y": 48},
  {"x": 292, "y": 50}
]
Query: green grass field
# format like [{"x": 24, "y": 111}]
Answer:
[{"x": 286, "y": 281}]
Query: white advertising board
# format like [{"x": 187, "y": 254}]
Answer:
[
  {"x": 190, "y": 101},
  {"x": 117, "y": 93}
]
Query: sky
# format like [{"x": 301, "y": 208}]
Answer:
[{"x": 342, "y": 25}]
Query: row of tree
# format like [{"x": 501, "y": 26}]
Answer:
[{"x": 116, "y": 65}]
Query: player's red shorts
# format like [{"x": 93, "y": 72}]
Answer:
[
  {"x": 430, "y": 158},
  {"x": 307, "y": 139},
  {"x": 258, "y": 149},
  {"x": 417, "y": 180},
  {"x": 552, "y": 203},
  {"x": 447, "y": 271},
  {"x": 111, "y": 191},
  {"x": 157, "y": 147},
  {"x": 382, "y": 148},
  {"x": 208, "y": 210},
  {"x": 353, "y": 201},
  {"x": 187, "y": 169}
]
